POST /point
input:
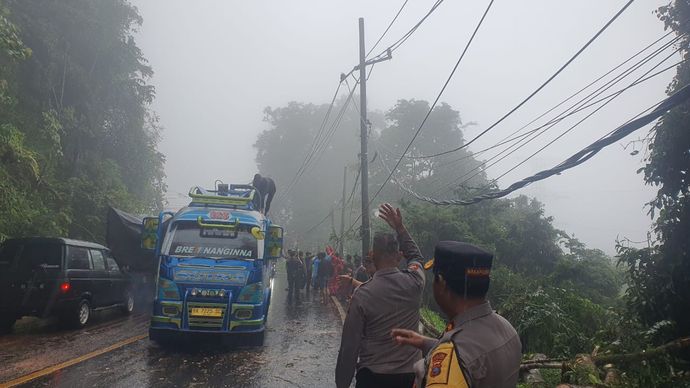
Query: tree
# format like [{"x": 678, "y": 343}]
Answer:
[
  {"x": 428, "y": 176},
  {"x": 660, "y": 274},
  {"x": 79, "y": 106}
]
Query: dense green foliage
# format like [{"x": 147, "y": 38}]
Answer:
[
  {"x": 660, "y": 274},
  {"x": 544, "y": 281},
  {"x": 76, "y": 132}
]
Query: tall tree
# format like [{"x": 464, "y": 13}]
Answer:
[
  {"x": 82, "y": 107},
  {"x": 661, "y": 274}
]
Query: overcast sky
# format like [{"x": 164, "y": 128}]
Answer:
[{"x": 219, "y": 63}]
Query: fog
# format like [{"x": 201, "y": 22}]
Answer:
[{"x": 218, "y": 64}]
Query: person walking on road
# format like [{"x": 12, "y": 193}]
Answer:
[
  {"x": 391, "y": 299},
  {"x": 293, "y": 266},
  {"x": 325, "y": 273},
  {"x": 479, "y": 349},
  {"x": 316, "y": 281},
  {"x": 308, "y": 259}
]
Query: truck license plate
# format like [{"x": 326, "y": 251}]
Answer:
[{"x": 206, "y": 312}]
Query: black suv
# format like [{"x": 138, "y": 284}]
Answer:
[{"x": 56, "y": 276}]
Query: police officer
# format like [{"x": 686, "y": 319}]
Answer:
[
  {"x": 391, "y": 299},
  {"x": 479, "y": 347}
]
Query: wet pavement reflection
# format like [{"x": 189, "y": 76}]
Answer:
[{"x": 299, "y": 350}]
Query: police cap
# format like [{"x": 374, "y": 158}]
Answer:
[{"x": 465, "y": 267}]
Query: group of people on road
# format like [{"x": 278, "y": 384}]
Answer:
[
  {"x": 381, "y": 346},
  {"x": 318, "y": 272}
]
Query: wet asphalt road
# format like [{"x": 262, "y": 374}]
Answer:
[{"x": 300, "y": 350}]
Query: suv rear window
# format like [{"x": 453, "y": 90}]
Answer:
[
  {"x": 8, "y": 253},
  {"x": 40, "y": 254},
  {"x": 78, "y": 258}
]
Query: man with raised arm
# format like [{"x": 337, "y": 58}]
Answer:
[{"x": 391, "y": 299}]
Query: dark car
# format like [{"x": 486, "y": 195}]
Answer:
[{"x": 59, "y": 277}]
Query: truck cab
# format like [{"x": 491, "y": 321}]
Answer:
[{"x": 215, "y": 264}]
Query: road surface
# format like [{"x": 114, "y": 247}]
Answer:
[{"x": 300, "y": 350}]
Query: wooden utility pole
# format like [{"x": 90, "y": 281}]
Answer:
[
  {"x": 364, "y": 132},
  {"x": 364, "y": 139}
]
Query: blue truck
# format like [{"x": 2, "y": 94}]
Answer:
[{"x": 215, "y": 264}]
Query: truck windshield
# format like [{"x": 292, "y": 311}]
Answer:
[{"x": 188, "y": 239}]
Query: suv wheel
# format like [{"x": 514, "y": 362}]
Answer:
[
  {"x": 128, "y": 306},
  {"x": 79, "y": 316}
]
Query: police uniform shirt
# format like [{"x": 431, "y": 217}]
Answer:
[
  {"x": 485, "y": 352},
  {"x": 391, "y": 299}
]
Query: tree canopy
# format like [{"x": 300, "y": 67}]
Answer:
[{"x": 76, "y": 130}]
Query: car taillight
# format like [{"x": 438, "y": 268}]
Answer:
[{"x": 64, "y": 287}]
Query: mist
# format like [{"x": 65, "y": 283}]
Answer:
[{"x": 219, "y": 64}]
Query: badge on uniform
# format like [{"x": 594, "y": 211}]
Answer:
[{"x": 444, "y": 368}]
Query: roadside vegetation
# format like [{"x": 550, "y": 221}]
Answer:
[{"x": 76, "y": 130}]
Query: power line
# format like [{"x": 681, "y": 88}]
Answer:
[
  {"x": 545, "y": 146},
  {"x": 438, "y": 97},
  {"x": 612, "y": 97},
  {"x": 283, "y": 194},
  {"x": 584, "y": 103},
  {"x": 474, "y": 33},
  {"x": 313, "y": 228},
  {"x": 399, "y": 42},
  {"x": 508, "y": 139},
  {"x": 577, "y": 54},
  {"x": 388, "y": 28},
  {"x": 320, "y": 141},
  {"x": 578, "y": 158}
]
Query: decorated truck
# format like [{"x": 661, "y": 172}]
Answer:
[{"x": 215, "y": 261}]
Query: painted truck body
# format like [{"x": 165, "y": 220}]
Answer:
[{"x": 215, "y": 264}]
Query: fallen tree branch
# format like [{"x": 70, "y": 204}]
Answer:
[{"x": 679, "y": 343}]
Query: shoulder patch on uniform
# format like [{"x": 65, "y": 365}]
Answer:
[
  {"x": 444, "y": 368},
  {"x": 413, "y": 267}
]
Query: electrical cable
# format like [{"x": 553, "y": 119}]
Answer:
[
  {"x": 320, "y": 142},
  {"x": 438, "y": 97},
  {"x": 387, "y": 28},
  {"x": 577, "y": 54},
  {"x": 579, "y": 157},
  {"x": 519, "y": 146},
  {"x": 404, "y": 38},
  {"x": 283, "y": 194},
  {"x": 457, "y": 64},
  {"x": 583, "y": 104},
  {"x": 507, "y": 138}
]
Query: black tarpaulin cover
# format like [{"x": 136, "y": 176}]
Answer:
[{"x": 123, "y": 237}]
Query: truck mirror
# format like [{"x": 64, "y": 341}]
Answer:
[
  {"x": 274, "y": 242},
  {"x": 149, "y": 233}
]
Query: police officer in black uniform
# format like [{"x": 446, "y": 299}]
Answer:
[{"x": 479, "y": 347}]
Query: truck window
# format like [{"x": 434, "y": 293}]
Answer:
[
  {"x": 78, "y": 258},
  {"x": 97, "y": 261},
  {"x": 188, "y": 239}
]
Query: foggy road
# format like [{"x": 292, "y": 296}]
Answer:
[{"x": 300, "y": 350}]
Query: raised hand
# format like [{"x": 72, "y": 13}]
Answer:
[{"x": 392, "y": 216}]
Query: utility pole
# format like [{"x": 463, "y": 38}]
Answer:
[
  {"x": 364, "y": 133},
  {"x": 342, "y": 213}
]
